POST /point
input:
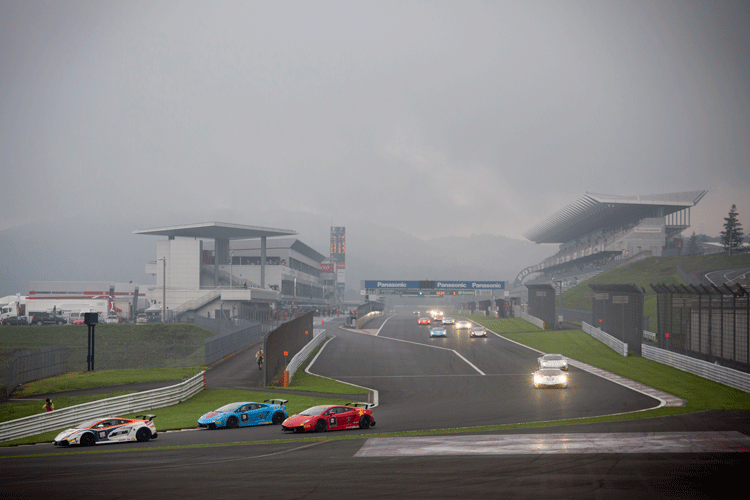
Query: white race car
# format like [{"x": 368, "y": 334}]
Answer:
[
  {"x": 550, "y": 377},
  {"x": 478, "y": 331},
  {"x": 463, "y": 324},
  {"x": 448, "y": 320},
  {"x": 553, "y": 361},
  {"x": 108, "y": 430}
]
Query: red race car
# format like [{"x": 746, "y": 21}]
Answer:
[
  {"x": 331, "y": 418},
  {"x": 423, "y": 321}
]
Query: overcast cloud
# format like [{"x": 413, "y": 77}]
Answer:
[{"x": 435, "y": 118}]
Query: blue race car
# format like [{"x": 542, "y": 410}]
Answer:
[
  {"x": 271, "y": 411},
  {"x": 438, "y": 332}
]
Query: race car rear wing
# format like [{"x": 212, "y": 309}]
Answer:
[
  {"x": 149, "y": 416},
  {"x": 276, "y": 401},
  {"x": 367, "y": 406}
]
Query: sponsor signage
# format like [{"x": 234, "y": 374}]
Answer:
[
  {"x": 398, "y": 285},
  {"x": 470, "y": 285},
  {"x": 438, "y": 285}
]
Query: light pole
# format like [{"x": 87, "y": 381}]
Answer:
[
  {"x": 231, "y": 258},
  {"x": 164, "y": 290}
]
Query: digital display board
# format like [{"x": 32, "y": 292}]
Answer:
[{"x": 338, "y": 244}]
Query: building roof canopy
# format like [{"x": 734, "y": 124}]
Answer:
[
  {"x": 602, "y": 211},
  {"x": 217, "y": 230}
]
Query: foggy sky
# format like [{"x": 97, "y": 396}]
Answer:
[{"x": 435, "y": 118}]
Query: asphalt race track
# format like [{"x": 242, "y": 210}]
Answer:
[{"x": 422, "y": 383}]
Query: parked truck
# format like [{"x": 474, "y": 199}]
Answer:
[{"x": 12, "y": 308}]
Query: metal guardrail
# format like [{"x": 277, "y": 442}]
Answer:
[
  {"x": 721, "y": 374},
  {"x": 120, "y": 405},
  {"x": 616, "y": 345}
]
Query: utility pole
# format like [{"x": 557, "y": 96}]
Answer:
[{"x": 164, "y": 290}]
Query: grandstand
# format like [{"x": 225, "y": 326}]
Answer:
[{"x": 599, "y": 231}]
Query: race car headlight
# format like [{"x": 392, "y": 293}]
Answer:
[
  {"x": 564, "y": 379},
  {"x": 537, "y": 379}
]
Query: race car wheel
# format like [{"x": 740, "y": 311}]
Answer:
[
  {"x": 232, "y": 423},
  {"x": 364, "y": 422},
  {"x": 278, "y": 417},
  {"x": 87, "y": 440},
  {"x": 321, "y": 426},
  {"x": 143, "y": 435}
]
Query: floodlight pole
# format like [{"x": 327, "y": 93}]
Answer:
[{"x": 164, "y": 290}]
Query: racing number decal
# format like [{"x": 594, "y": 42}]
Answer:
[
  {"x": 332, "y": 421},
  {"x": 244, "y": 417},
  {"x": 102, "y": 434}
]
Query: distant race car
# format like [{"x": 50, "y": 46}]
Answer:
[
  {"x": 553, "y": 361},
  {"x": 271, "y": 411},
  {"x": 462, "y": 324},
  {"x": 331, "y": 418},
  {"x": 550, "y": 377},
  {"x": 438, "y": 331},
  {"x": 448, "y": 320},
  {"x": 109, "y": 430},
  {"x": 478, "y": 331},
  {"x": 423, "y": 321}
]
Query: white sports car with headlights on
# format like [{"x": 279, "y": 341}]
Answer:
[
  {"x": 553, "y": 361},
  {"x": 550, "y": 377},
  {"x": 448, "y": 321},
  {"x": 463, "y": 324},
  {"x": 478, "y": 331}
]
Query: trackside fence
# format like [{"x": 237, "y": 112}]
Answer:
[
  {"x": 616, "y": 345},
  {"x": 721, "y": 374},
  {"x": 120, "y": 405},
  {"x": 28, "y": 365},
  {"x": 220, "y": 346}
]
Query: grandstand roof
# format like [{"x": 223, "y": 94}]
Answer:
[
  {"x": 604, "y": 211},
  {"x": 217, "y": 230}
]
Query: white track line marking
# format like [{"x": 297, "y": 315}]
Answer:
[
  {"x": 558, "y": 444},
  {"x": 438, "y": 347}
]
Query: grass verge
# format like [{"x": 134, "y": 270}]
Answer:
[{"x": 84, "y": 380}]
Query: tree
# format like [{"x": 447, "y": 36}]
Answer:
[
  {"x": 732, "y": 235},
  {"x": 692, "y": 245}
]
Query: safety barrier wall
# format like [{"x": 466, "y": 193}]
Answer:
[
  {"x": 721, "y": 374},
  {"x": 121, "y": 405},
  {"x": 531, "y": 319},
  {"x": 301, "y": 356},
  {"x": 605, "y": 338},
  {"x": 220, "y": 346},
  {"x": 29, "y": 365},
  {"x": 367, "y": 317},
  {"x": 290, "y": 338}
]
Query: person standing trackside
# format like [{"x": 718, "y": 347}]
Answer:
[
  {"x": 48, "y": 406},
  {"x": 259, "y": 358}
]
